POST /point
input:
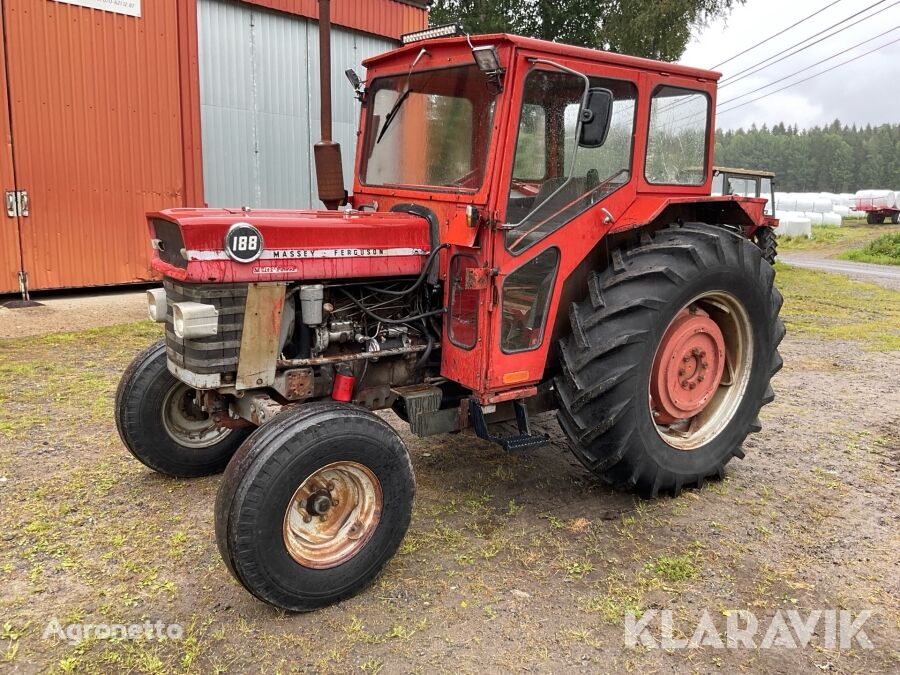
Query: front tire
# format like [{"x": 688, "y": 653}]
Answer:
[
  {"x": 643, "y": 404},
  {"x": 159, "y": 423},
  {"x": 765, "y": 239},
  {"x": 314, "y": 505}
]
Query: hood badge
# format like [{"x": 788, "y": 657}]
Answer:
[{"x": 243, "y": 243}]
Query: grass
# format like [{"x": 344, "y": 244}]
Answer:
[
  {"x": 883, "y": 251},
  {"x": 829, "y": 237},
  {"x": 835, "y": 307},
  {"x": 87, "y": 534}
]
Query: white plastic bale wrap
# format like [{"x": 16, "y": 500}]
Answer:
[
  {"x": 832, "y": 219},
  {"x": 793, "y": 224},
  {"x": 841, "y": 209},
  {"x": 814, "y": 217},
  {"x": 867, "y": 200}
]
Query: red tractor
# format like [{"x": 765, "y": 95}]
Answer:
[{"x": 530, "y": 228}]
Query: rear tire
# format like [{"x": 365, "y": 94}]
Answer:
[
  {"x": 160, "y": 427},
  {"x": 875, "y": 219},
  {"x": 765, "y": 239},
  {"x": 895, "y": 218},
  {"x": 267, "y": 529},
  {"x": 608, "y": 359}
]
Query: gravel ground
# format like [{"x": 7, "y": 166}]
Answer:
[
  {"x": 71, "y": 312},
  {"x": 512, "y": 563}
]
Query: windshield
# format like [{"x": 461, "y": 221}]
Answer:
[{"x": 430, "y": 129}]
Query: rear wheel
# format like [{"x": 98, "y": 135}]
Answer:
[
  {"x": 314, "y": 504},
  {"x": 669, "y": 359},
  {"x": 765, "y": 239},
  {"x": 875, "y": 218},
  {"x": 895, "y": 218},
  {"x": 160, "y": 423}
]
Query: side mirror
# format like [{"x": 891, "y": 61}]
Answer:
[{"x": 596, "y": 117}]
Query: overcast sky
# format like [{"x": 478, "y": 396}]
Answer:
[{"x": 865, "y": 91}]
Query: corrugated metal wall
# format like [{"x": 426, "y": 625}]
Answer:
[
  {"x": 259, "y": 102},
  {"x": 391, "y": 18},
  {"x": 96, "y": 132}
]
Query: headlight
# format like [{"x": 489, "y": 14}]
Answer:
[
  {"x": 156, "y": 304},
  {"x": 194, "y": 320}
]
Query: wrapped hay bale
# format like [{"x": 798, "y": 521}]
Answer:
[
  {"x": 832, "y": 219},
  {"x": 814, "y": 217},
  {"x": 867, "y": 200},
  {"x": 794, "y": 225}
]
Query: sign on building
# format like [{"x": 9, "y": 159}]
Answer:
[{"x": 129, "y": 7}]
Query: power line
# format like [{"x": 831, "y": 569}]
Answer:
[
  {"x": 740, "y": 75},
  {"x": 781, "y": 32},
  {"x": 802, "y": 70},
  {"x": 806, "y": 79}
]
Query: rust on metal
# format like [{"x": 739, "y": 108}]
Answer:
[
  {"x": 688, "y": 367},
  {"x": 329, "y": 169},
  {"x": 356, "y": 356},
  {"x": 295, "y": 384},
  {"x": 332, "y": 515},
  {"x": 261, "y": 335}
]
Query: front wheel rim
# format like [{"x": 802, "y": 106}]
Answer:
[
  {"x": 185, "y": 423},
  {"x": 701, "y": 370},
  {"x": 332, "y": 515}
]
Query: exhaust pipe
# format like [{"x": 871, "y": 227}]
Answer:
[{"x": 329, "y": 170}]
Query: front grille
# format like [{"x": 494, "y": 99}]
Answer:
[
  {"x": 216, "y": 353},
  {"x": 170, "y": 242}
]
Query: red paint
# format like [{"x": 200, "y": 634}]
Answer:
[
  {"x": 343, "y": 388},
  {"x": 688, "y": 367},
  {"x": 355, "y": 236}
]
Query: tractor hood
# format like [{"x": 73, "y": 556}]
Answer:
[{"x": 236, "y": 245}]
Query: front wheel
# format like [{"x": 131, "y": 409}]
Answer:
[
  {"x": 765, "y": 239},
  {"x": 162, "y": 425},
  {"x": 669, "y": 359},
  {"x": 314, "y": 505}
]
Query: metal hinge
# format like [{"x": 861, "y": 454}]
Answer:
[
  {"x": 17, "y": 203},
  {"x": 23, "y": 284}
]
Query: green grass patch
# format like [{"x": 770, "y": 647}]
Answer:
[
  {"x": 674, "y": 568},
  {"x": 835, "y": 307},
  {"x": 883, "y": 251},
  {"x": 825, "y": 237}
]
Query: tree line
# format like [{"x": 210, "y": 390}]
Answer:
[
  {"x": 650, "y": 28},
  {"x": 833, "y": 158}
]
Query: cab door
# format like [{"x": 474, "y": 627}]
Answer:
[{"x": 560, "y": 199}]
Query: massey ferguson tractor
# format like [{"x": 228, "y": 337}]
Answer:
[{"x": 530, "y": 228}]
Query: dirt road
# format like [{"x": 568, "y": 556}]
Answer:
[{"x": 887, "y": 276}]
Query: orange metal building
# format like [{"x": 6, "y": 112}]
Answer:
[{"x": 101, "y": 113}]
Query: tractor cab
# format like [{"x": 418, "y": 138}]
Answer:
[{"x": 746, "y": 183}]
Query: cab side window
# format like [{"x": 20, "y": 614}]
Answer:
[
  {"x": 678, "y": 136},
  {"x": 554, "y": 179}
]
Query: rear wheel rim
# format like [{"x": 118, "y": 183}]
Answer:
[
  {"x": 332, "y": 515},
  {"x": 185, "y": 423},
  {"x": 701, "y": 370}
]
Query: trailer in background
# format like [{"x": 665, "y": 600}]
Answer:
[{"x": 878, "y": 205}]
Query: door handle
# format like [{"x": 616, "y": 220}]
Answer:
[{"x": 608, "y": 219}]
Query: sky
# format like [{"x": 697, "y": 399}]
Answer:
[{"x": 866, "y": 91}]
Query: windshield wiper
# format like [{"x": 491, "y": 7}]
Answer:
[{"x": 392, "y": 114}]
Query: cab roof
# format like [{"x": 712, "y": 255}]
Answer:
[{"x": 548, "y": 49}]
